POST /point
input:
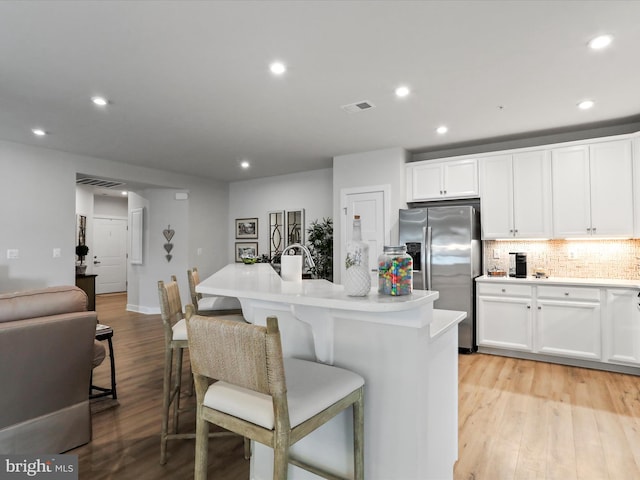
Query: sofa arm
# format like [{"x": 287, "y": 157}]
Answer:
[{"x": 45, "y": 364}]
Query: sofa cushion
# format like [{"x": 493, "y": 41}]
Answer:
[{"x": 41, "y": 303}]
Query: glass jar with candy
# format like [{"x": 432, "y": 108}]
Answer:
[{"x": 395, "y": 271}]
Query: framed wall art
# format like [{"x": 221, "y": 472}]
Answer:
[
  {"x": 246, "y": 249},
  {"x": 246, "y": 228}
]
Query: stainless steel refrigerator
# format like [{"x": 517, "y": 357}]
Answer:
[{"x": 444, "y": 242}]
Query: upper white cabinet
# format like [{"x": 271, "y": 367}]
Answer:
[
  {"x": 435, "y": 180},
  {"x": 515, "y": 192},
  {"x": 593, "y": 190}
]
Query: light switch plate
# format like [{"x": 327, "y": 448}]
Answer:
[
  {"x": 496, "y": 253},
  {"x": 13, "y": 253},
  {"x": 57, "y": 253}
]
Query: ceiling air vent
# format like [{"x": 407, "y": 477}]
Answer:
[
  {"x": 358, "y": 106},
  {"x": 98, "y": 182}
]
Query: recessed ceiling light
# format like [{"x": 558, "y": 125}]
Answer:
[
  {"x": 124, "y": 193},
  {"x": 100, "y": 101},
  {"x": 39, "y": 132},
  {"x": 601, "y": 42},
  {"x": 586, "y": 104},
  {"x": 402, "y": 91},
  {"x": 244, "y": 164},
  {"x": 442, "y": 130},
  {"x": 277, "y": 68}
]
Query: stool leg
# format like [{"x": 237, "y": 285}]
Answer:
[
  {"x": 166, "y": 401},
  {"x": 114, "y": 395},
  {"x": 247, "y": 448},
  {"x": 281, "y": 457},
  {"x": 202, "y": 447},
  {"x": 176, "y": 399},
  {"x": 358, "y": 437}
]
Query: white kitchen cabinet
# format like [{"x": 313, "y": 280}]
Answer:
[
  {"x": 636, "y": 186},
  {"x": 516, "y": 195},
  {"x": 504, "y": 318},
  {"x": 568, "y": 322},
  {"x": 593, "y": 190},
  {"x": 622, "y": 321},
  {"x": 434, "y": 180}
]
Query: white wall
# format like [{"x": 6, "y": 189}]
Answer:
[
  {"x": 108, "y": 206},
  {"x": 255, "y": 198},
  {"x": 38, "y": 212},
  {"x": 380, "y": 167}
]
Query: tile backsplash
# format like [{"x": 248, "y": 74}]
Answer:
[{"x": 570, "y": 258}]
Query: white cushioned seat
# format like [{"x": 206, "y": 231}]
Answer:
[
  {"x": 311, "y": 387},
  {"x": 206, "y": 304}
]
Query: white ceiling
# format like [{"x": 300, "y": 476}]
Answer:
[{"x": 191, "y": 91}]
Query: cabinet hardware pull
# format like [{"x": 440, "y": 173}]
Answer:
[
  {"x": 539, "y": 307},
  {"x": 445, "y": 192},
  {"x": 593, "y": 230},
  {"x": 566, "y": 294},
  {"x": 503, "y": 290},
  {"x": 529, "y": 306},
  {"x": 638, "y": 294}
]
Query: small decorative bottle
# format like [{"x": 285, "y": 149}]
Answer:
[{"x": 357, "y": 281}]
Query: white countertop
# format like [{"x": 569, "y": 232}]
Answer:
[
  {"x": 585, "y": 282},
  {"x": 261, "y": 282}
]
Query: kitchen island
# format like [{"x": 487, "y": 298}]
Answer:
[{"x": 405, "y": 350}]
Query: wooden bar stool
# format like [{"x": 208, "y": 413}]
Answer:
[
  {"x": 212, "y": 304},
  {"x": 175, "y": 340},
  {"x": 251, "y": 395}
]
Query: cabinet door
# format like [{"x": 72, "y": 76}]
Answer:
[
  {"x": 571, "y": 196},
  {"x": 532, "y": 195},
  {"x": 426, "y": 181},
  {"x": 611, "y": 189},
  {"x": 460, "y": 178},
  {"x": 496, "y": 196},
  {"x": 569, "y": 329},
  {"x": 505, "y": 322},
  {"x": 622, "y": 326}
]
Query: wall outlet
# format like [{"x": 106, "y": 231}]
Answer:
[
  {"x": 13, "y": 253},
  {"x": 496, "y": 253},
  {"x": 57, "y": 253},
  {"x": 573, "y": 255},
  {"x": 199, "y": 251}
]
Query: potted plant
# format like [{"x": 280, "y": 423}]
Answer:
[
  {"x": 320, "y": 244},
  {"x": 81, "y": 252}
]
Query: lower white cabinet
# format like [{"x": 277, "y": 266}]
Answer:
[
  {"x": 504, "y": 317},
  {"x": 563, "y": 321},
  {"x": 622, "y": 321},
  {"x": 568, "y": 321}
]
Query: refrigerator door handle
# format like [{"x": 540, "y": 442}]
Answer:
[{"x": 426, "y": 257}]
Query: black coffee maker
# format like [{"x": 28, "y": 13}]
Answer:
[{"x": 518, "y": 264}]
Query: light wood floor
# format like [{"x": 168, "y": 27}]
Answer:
[{"x": 517, "y": 419}]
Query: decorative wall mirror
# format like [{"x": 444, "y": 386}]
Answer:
[
  {"x": 277, "y": 236},
  {"x": 295, "y": 226}
]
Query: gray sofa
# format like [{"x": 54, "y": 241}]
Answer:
[{"x": 46, "y": 355}]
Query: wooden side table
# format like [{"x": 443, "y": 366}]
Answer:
[
  {"x": 88, "y": 284},
  {"x": 105, "y": 332}
]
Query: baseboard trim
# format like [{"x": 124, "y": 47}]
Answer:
[
  {"x": 143, "y": 309},
  {"x": 572, "y": 362}
]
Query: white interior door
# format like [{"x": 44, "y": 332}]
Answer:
[
  {"x": 370, "y": 205},
  {"x": 110, "y": 254}
]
